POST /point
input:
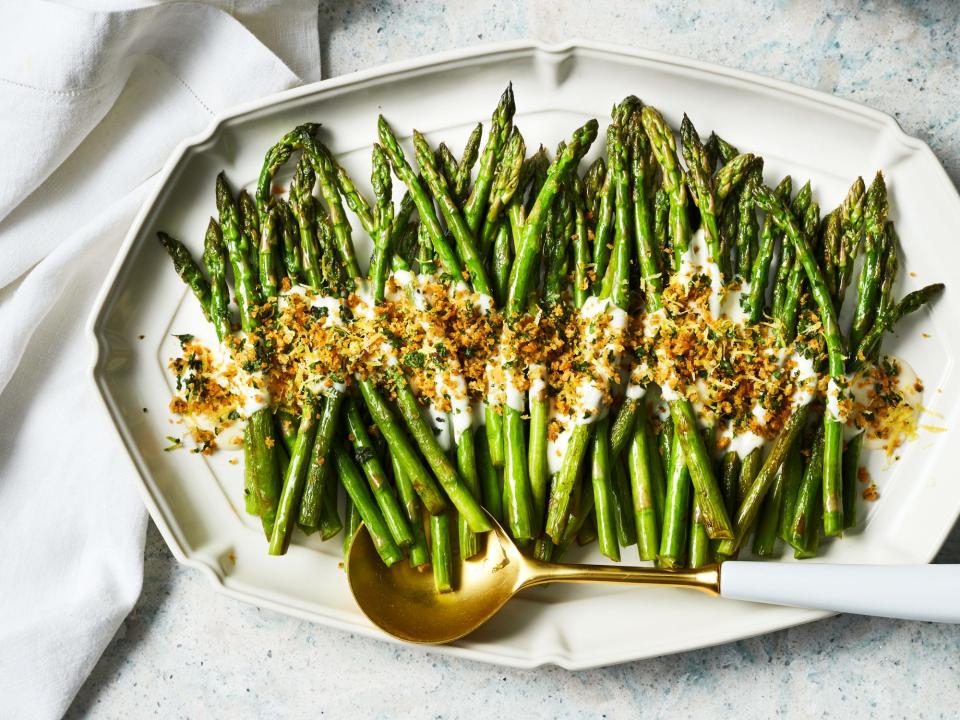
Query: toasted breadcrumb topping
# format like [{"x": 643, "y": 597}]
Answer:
[
  {"x": 456, "y": 350},
  {"x": 736, "y": 374}
]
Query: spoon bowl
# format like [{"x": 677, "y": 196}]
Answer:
[{"x": 404, "y": 602}]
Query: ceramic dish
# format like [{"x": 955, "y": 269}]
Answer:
[{"x": 197, "y": 502}]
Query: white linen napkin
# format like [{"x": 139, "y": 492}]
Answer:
[{"x": 91, "y": 104}]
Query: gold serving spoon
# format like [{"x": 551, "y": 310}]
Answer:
[{"x": 405, "y": 603}]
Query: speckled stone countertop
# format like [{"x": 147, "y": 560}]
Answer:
[{"x": 186, "y": 651}]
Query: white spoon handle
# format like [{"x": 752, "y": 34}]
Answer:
[{"x": 911, "y": 592}]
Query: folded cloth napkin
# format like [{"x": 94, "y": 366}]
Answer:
[{"x": 91, "y": 104}]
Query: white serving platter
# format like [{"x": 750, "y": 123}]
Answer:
[{"x": 197, "y": 502}]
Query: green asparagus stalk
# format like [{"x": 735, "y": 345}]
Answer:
[
  {"x": 366, "y": 454},
  {"x": 323, "y": 164},
  {"x": 353, "y": 524},
  {"x": 642, "y": 486},
  {"x": 490, "y": 489},
  {"x": 614, "y": 287},
  {"x": 868, "y": 287},
  {"x": 704, "y": 195},
  {"x": 353, "y": 482},
  {"x": 851, "y": 468},
  {"x": 833, "y": 426},
  {"x": 318, "y": 474},
  {"x": 699, "y": 552},
  {"x": 330, "y": 522},
  {"x": 441, "y": 551},
  {"x": 623, "y": 505},
  {"x": 519, "y": 510},
  {"x": 851, "y": 214},
  {"x": 269, "y": 239},
  {"x": 676, "y": 509},
  {"x": 764, "y": 542},
  {"x": 215, "y": 261},
  {"x": 792, "y": 478},
  {"x": 276, "y": 157},
  {"x": 189, "y": 271},
  {"x": 471, "y": 152},
  {"x": 506, "y": 182},
  {"x": 293, "y": 481},
  {"x": 419, "y": 553},
  {"x": 245, "y": 287},
  {"x": 467, "y": 467},
  {"x": 355, "y": 199},
  {"x": 501, "y": 124},
  {"x": 383, "y": 221},
  {"x": 807, "y": 496},
  {"x": 602, "y": 488},
  {"x": 446, "y": 473},
  {"x": 290, "y": 234},
  {"x": 760, "y": 272},
  {"x": 304, "y": 209},
  {"x": 909, "y": 304}
]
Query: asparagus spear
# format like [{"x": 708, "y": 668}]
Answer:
[
  {"x": 292, "y": 254},
  {"x": 383, "y": 219},
  {"x": 851, "y": 222},
  {"x": 269, "y": 239},
  {"x": 868, "y": 287},
  {"x": 293, "y": 482},
  {"x": 501, "y": 124},
  {"x": 258, "y": 434},
  {"x": 304, "y": 209},
  {"x": 614, "y": 287},
  {"x": 441, "y": 551},
  {"x": 189, "y": 271},
  {"x": 215, "y": 261},
  {"x": 676, "y": 509},
  {"x": 808, "y": 495},
  {"x": 701, "y": 183},
  {"x": 602, "y": 488},
  {"x": 447, "y": 163},
  {"x": 506, "y": 181},
  {"x": 245, "y": 288},
  {"x": 643, "y": 484},
  {"x": 352, "y": 481},
  {"x": 275, "y": 158},
  {"x": 471, "y": 151},
  {"x": 355, "y": 199},
  {"x": 885, "y": 322},
  {"x": 393, "y": 515},
  {"x": 851, "y": 468},
  {"x": 419, "y": 554},
  {"x": 319, "y": 471},
  {"x": 623, "y": 505}
]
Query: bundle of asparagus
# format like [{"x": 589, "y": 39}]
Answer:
[{"x": 636, "y": 337}]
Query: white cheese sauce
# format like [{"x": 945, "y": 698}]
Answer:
[
  {"x": 249, "y": 387},
  {"x": 696, "y": 261}
]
